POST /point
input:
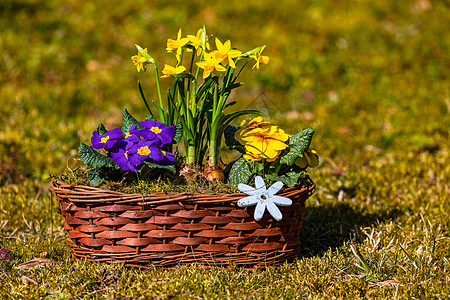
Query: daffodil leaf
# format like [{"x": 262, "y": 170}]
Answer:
[
  {"x": 94, "y": 159},
  {"x": 94, "y": 177},
  {"x": 143, "y": 98},
  {"x": 240, "y": 172},
  {"x": 290, "y": 178},
  {"x": 127, "y": 121},
  {"x": 101, "y": 129},
  {"x": 298, "y": 144}
]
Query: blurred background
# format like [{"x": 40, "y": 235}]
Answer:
[{"x": 371, "y": 77}]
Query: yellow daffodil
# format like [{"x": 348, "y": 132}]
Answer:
[
  {"x": 260, "y": 58},
  {"x": 224, "y": 51},
  {"x": 196, "y": 41},
  {"x": 262, "y": 140},
  {"x": 170, "y": 71},
  {"x": 177, "y": 44},
  {"x": 140, "y": 61},
  {"x": 310, "y": 159},
  {"x": 210, "y": 64}
]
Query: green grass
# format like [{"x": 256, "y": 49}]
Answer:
[{"x": 371, "y": 77}]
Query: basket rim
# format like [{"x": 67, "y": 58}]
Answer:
[{"x": 88, "y": 194}]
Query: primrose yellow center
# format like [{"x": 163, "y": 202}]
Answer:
[
  {"x": 104, "y": 139},
  {"x": 126, "y": 154},
  {"x": 144, "y": 151},
  {"x": 156, "y": 129},
  {"x": 127, "y": 134}
]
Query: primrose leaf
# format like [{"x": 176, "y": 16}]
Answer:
[
  {"x": 178, "y": 132},
  {"x": 94, "y": 177},
  {"x": 170, "y": 168},
  {"x": 150, "y": 117},
  {"x": 240, "y": 172},
  {"x": 298, "y": 144},
  {"x": 290, "y": 178},
  {"x": 231, "y": 141},
  {"x": 101, "y": 129},
  {"x": 94, "y": 159},
  {"x": 127, "y": 121}
]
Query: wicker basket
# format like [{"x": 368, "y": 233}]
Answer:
[{"x": 168, "y": 229}]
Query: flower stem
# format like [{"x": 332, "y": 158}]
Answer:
[{"x": 161, "y": 113}]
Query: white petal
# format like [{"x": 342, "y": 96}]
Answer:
[
  {"x": 275, "y": 188},
  {"x": 274, "y": 211},
  {"x": 259, "y": 210},
  {"x": 247, "y": 201},
  {"x": 259, "y": 183},
  {"x": 283, "y": 201},
  {"x": 246, "y": 189}
]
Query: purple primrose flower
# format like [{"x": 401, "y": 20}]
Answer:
[
  {"x": 132, "y": 135},
  {"x": 158, "y": 132},
  {"x": 169, "y": 159},
  {"x": 106, "y": 141},
  {"x": 122, "y": 159},
  {"x": 144, "y": 150}
]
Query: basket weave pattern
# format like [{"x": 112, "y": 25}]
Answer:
[{"x": 168, "y": 229}]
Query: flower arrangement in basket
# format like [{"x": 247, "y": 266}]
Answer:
[{"x": 258, "y": 226}]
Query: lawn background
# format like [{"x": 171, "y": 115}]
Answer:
[{"x": 371, "y": 77}]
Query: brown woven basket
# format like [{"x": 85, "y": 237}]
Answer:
[{"x": 168, "y": 229}]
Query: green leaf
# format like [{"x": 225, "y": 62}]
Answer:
[
  {"x": 257, "y": 167},
  {"x": 231, "y": 141},
  {"x": 94, "y": 159},
  {"x": 94, "y": 177},
  {"x": 150, "y": 117},
  {"x": 298, "y": 144},
  {"x": 290, "y": 178},
  {"x": 127, "y": 121},
  {"x": 101, "y": 129},
  {"x": 143, "y": 97},
  {"x": 178, "y": 132},
  {"x": 240, "y": 172},
  {"x": 170, "y": 168}
]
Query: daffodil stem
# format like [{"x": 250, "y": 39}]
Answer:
[
  {"x": 213, "y": 157},
  {"x": 161, "y": 112},
  {"x": 190, "y": 155}
]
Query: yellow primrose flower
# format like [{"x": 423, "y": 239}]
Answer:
[
  {"x": 169, "y": 70},
  {"x": 248, "y": 126},
  {"x": 310, "y": 159},
  {"x": 265, "y": 143},
  {"x": 177, "y": 44},
  {"x": 196, "y": 41},
  {"x": 209, "y": 64},
  {"x": 140, "y": 61},
  {"x": 260, "y": 58},
  {"x": 224, "y": 51},
  {"x": 262, "y": 140}
]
